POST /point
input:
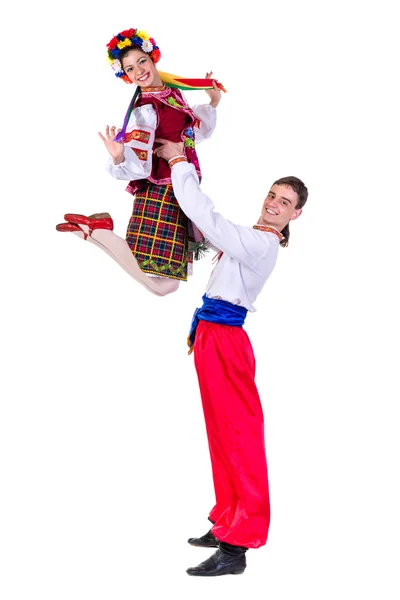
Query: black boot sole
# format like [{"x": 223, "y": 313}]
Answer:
[
  {"x": 234, "y": 572},
  {"x": 200, "y": 545}
]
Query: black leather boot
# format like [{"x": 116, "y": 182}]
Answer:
[
  {"x": 208, "y": 540},
  {"x": 227, "y": 560}
]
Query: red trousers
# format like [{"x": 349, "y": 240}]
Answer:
[{"x": 225, "y": 368}]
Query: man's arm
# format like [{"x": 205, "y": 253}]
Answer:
[{"x": 244, "y": 244}]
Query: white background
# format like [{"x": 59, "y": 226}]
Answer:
[{"x": 104, "y": 460}]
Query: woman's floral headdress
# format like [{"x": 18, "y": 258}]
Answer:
[
  {"x": 142, "y": 40},
  {"x": 130, "y": 37}
]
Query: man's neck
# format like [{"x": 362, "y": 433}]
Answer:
[{"x": 264, "y": 224}]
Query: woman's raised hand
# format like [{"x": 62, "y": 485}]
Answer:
[
  {"x": 214, "y": 94},
  {"x": 116, "y": 149}
]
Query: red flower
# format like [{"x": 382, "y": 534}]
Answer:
[
  {"x": 128, "y": 33},
  {"x": 112, "y": 43},
  {"x": 153, "y": 42},
  {"x": 126, "y": 79},
  {"x": 156, "y": 55}
]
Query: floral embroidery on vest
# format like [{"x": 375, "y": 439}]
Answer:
[
  {"x": 173, "y": 102},
  {"x": 189, "y": 137}
]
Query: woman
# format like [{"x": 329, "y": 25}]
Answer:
[{"x": 157, "y": 250}]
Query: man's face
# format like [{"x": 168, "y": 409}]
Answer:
[{"x": 279, "y": 207}]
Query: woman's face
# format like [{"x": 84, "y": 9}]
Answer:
[{"x": 140, "y": 69}]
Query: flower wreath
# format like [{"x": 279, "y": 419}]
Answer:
[{"x": 130, "y": 37}]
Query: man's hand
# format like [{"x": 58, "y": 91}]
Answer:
[{"x": 168, "y": 149}]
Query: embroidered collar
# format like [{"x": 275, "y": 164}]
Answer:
[
  {"x": 152, "y": 90},
  {"x": 168, "y": 96},
  {"x": 269, "y": 229}
]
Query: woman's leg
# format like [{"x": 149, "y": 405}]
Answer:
[{"x": 119, "y": 251}]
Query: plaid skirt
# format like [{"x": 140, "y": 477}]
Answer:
[{"x": 157, "y": 232}]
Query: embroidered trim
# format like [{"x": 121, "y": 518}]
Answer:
[
  {"x": 177, "y": 156},
  {"x": 189, "y": 133},
  {"x": 156, "y": 88},
  {"x": 167, "y": 97},
  {"x": 197, "y": 123},
  {"x": 141, "y": 154},
  {"x": 167, "y": 181},
  {"x": 138, "y": 135},
  {"x": 188, "y": 138},
  {"x": 269, "y": 229},
  {"x": 176, "y": 160},
  {"x": 149, "y": 266},
  {"x": 190, "y": 143},
  {"x": 173, "y": 102}
]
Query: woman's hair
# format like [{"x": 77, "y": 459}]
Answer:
[
  {"x": 126, "y": 51},
  {"x": 302, "y": 192}
]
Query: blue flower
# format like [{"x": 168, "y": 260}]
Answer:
[
  {"x": 137, "y": 41},
  {"x": 189, "y": 132}
]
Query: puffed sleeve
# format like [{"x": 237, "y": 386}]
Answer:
[
  {"x": 206, "y": 119},
  {"x": 138, "y": 148}
]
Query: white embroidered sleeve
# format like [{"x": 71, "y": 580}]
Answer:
[
  {"x": 245, "y": 244},
  {"x": 138, "y": 149}
]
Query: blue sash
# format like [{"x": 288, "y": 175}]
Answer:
[{"x": 216, "y": 311}]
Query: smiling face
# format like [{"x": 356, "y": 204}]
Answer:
[
  {"x": 279, "y": 207},
  {"x": 140, "y": 69}
]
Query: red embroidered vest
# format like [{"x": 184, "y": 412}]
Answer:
[{"x": 175, "y": 122}]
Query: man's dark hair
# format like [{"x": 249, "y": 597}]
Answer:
[{"x": 302, "y": 192}]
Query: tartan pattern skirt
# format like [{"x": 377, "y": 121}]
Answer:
[{"x": 157, "y": 232}]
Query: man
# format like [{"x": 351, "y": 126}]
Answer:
[{"x": 225, "y": 362}]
